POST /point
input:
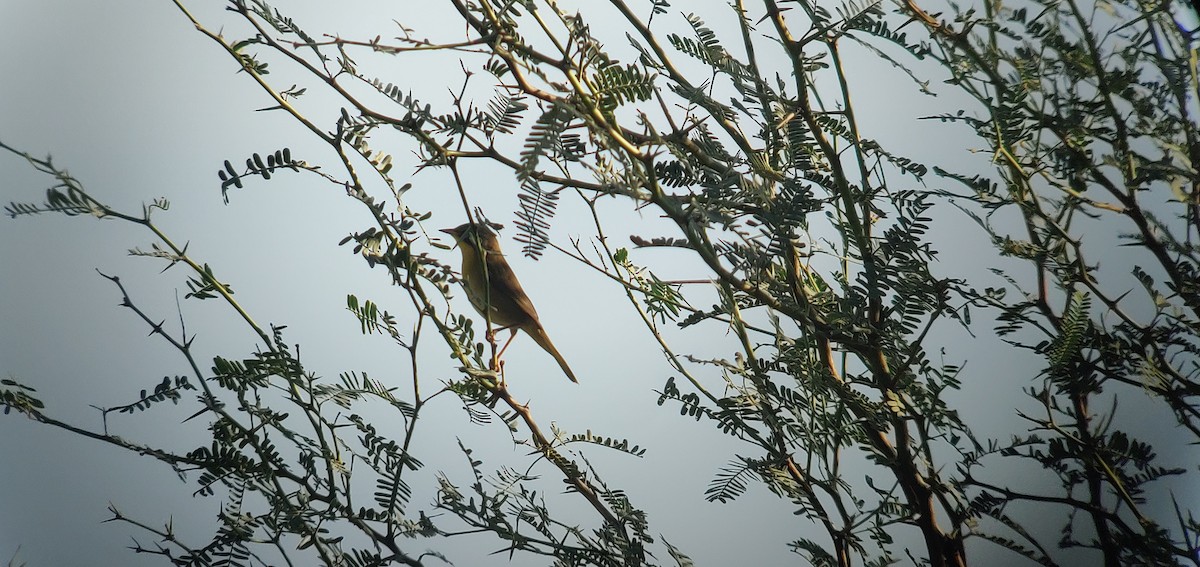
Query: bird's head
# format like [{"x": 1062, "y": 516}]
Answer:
[{"x": 474, "y": 235}]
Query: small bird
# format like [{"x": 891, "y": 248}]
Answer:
[{"x": 494, "y": 290}]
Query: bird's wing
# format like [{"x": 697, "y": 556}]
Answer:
[{"x": 507, "y": 296}]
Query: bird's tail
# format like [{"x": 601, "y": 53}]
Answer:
[{"x": 543, "y": 340}]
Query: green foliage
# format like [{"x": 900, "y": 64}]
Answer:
[
  {"x": 621, "y": 445},
  {"x": 166, "y": 390},
  {"x": 503, "y": 114},
  {"x": 1088, "y": 118},
  {"x": 616, "y": 85},
  {"x": 256, "y": 166},
  {"x": 205, "y": 285},
  {"x": 17, "y": 396},
  {"x": 538, "y": 205},
  {"x": 731, "y": 481}
]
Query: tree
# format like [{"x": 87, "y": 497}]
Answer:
[{"x": 841, "y": 387}]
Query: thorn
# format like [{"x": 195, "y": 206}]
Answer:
[{"x": 770, "y": 13}]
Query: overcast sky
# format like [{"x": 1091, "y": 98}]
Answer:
[{"x": 137, "y": 106}]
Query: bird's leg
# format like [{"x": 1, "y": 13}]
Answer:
[
  {"x": 490, "y": 335},
  {"x": 508, "y": 342}
]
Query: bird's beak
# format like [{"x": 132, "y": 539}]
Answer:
[{"x": 453, "y": 234}]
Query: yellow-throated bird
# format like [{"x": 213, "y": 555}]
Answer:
[{"x": 494, "y": 290}]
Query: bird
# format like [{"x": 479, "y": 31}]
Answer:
[{"x": 494, "y": 291}]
